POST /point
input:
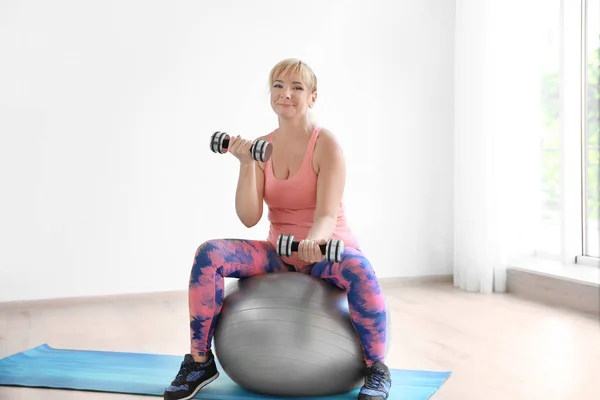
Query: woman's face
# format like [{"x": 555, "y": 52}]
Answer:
[{"x": 290, "y": 97}]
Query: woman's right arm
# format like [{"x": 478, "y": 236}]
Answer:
[{"x": 250, "y": 186}]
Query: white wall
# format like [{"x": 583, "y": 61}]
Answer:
[{"x": 106, "y": 109}]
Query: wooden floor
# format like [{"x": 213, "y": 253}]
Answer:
[{"x": 498, "y": 346}]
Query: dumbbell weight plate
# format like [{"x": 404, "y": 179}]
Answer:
[
  {"x": 219, "y": 142},
  {"x": 261, "y": 150},
  {"x": 284, "y": 245},
  {"x": 334, "y": 250}
]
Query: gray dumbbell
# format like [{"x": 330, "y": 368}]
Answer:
[
  {"x": 261, "y": 149},
  {"x": 332, "y": 250}
]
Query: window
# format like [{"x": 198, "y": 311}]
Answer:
[
  {"x": 569, "y": 161},
  {"x": 591, "y": 129}
]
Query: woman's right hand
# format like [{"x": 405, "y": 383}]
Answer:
[{"x": 240, "y": 148}]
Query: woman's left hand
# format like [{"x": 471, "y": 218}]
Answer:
[{"x": 309, "y": 250}]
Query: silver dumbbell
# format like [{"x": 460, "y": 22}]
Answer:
[
  {"x": 332, "y": 250},
  {"x": 261, "y": 149}
]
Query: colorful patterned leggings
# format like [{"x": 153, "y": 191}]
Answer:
[{"x": 235, "y": 258}]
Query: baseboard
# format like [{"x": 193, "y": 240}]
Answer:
[
  {"x": 415, "y": 280},
  {"x": 548, "y": 289},
  {"x": 181, "y": 295},
  {"x": 554, "y": 290}
]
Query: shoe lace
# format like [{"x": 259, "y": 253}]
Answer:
[
  {"x": 182, "y": 374},
  {"x": 375, "y": 379}
]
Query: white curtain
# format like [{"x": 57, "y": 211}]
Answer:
[{"x": 497, "y": 127}]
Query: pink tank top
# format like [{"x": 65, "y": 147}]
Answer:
[{"x": 292, "y": 203}]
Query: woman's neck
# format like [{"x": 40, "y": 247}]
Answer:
[{"x": 296, "y": 127}]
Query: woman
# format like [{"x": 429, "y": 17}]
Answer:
[{"x": 302, "y": 184}]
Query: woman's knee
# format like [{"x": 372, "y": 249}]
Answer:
[
  {"x": 355, "y": 266},
  {"x": 359, "y": 275},
  {"x": 355, "y": 260},
  {"x": 202, "y": 258},
  {"x": 210, "y": 245}
]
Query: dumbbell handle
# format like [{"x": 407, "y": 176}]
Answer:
[
  {"x": 225, "y": 143},
  {"x": 295, "y": 245}
]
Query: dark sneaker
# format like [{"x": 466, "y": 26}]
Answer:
[
  {"x": 377, "y": 383},
  {"x": 192, "y": 377}
]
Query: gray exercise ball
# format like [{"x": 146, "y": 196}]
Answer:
[{"x": 288, "y": 334}]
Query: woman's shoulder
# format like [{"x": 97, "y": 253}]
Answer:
[
  {"x": 327, "y": 141},
  {"x": 267, "y": 136},
  {"x": 328, "y": 151},
  {"x": 263, "y": 137}
]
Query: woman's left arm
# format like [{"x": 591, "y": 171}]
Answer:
[{"x": 331, "y": 170}]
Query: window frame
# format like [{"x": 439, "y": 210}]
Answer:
[
  {"x": 583, "y": 258},
  {"x": 573, "y": 147}
]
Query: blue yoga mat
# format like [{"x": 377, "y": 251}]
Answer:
[{"x": 149, "y": 374}]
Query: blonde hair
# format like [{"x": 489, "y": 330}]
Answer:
[{"x": 295, "y": 67}]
